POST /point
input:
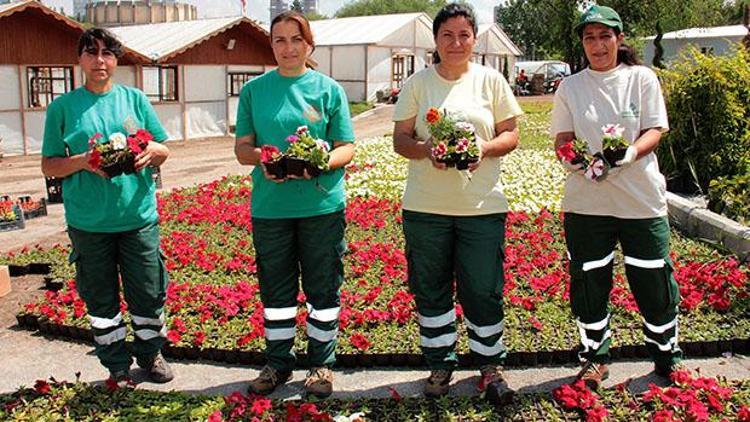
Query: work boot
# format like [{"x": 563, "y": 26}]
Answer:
[
  {"x": 496, "y": 388},
  {"x": 438, "y": 383},
  {"x": 268, "y": 380},
  {"x": 158, "y": 369},
  {"x": 319, "y": 382},
  {"x": 593, "y": 374}
]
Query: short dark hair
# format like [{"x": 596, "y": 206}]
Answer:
[
  {"x": 453, "y": 10},
  {"x": 90, "y": 36}
]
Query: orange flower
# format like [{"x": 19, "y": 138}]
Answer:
[{"x": 433, "y": 115}]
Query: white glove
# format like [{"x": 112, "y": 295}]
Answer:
[
  {"x": 630, "y": 155},
  {"x": 571, "y": 167}
]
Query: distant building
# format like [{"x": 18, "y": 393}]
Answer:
[
  {"x": 311, "y": 6},
  {"x": 79, "y": 9},
  {"x": 138, "y": 12},
  {"x": 277, "y": 7},
  {"x": 716, "y": 40}
]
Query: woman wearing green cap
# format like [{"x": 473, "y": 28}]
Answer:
[{"x": 616, "y": 95}]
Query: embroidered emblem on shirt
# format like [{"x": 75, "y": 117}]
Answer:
[
  {"x": 631, "y": 112},
  {"x": 311, "y": 114}
]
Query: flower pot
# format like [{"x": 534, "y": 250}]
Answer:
[
  {"x": 448, "y": 161},
  {"x": 112, "y": 169},
  {"x": 39, "y": 268},
  {"x": 399, "y": 359},
  {"x": 740, "y": 346},
  {"x": 464, "y": 164},
  {"x": 415, "y": 359},
  {"x": 711, "y": 348},
  {"x": 128, "y": 165},
  {"x": 18, "y": 270},
  {"x": 192, "y": 353},
  {"x": 276, "y": 168},
  {"x": 295, "y": 167},
  {"x": 641, "y": 352},
  {"x": 544, "y": 358},
  {"x": 382, "y": 359},
  {"x": 346, "y": 360},
  {"x": 245, "y": 358},
  {"x": 21, "y": 319},
  {"x": 513, "y": 359},
  {"x": 312, "y": 170},
  {"x": 232, "y": 356},
  {"x": 365, "y": 360},
  {"x": 611, "y": 156}
]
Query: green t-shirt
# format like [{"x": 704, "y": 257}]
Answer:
[
  {"x": 94, "y": 203},
  {"x": 272, "y": 107}
]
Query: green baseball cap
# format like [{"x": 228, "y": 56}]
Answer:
[{"x": 599, "y": 14}]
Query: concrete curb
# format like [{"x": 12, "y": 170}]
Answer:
[
  {"x": 370, "y": 112},
  {"x": 698, "y": 222}
]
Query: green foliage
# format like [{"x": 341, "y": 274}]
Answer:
[
  {"x": 729, "y": 196},
  {"x": 708, "y": 102},
  {"x": 297, "y": 5},
  {"x": 383, "y": 7}
]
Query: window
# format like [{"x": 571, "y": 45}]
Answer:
[
  {"x": 402, "y": 68},
  {"x": 47, "y": 83},
  {"x": 160, "y": 83},
  {"x": 237, "y": 80}
]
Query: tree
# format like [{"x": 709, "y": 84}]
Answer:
[
  {"x": 545, "y": 28},
  {"x": 384, "y": 7},
  {"x": 312, "y": 16},
  {"x": 297, "y": 6},
  {"x": 658, "y": 49}
]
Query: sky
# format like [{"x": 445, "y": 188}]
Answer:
[{"x": 258, "y": 9}]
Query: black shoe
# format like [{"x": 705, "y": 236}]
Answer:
[
  {"x": 158, "y": 369},
  {"x": 496, "y": 388}
]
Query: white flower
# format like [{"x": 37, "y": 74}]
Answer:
[
  {"x": 118, "y": 140},
  {"x": 595, "y": 170},
  {"x": 322, "y": 145},
  {"x": 614, "y": 131},
  {"x": 302, "y": 130},
  {"x": 354, "y": 417},
  {"x": 465, "y": 126}
]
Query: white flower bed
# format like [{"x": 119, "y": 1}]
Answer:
[{"x": 532, "y": 178}]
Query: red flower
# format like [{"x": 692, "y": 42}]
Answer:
[
  {"x": 95, "y": 159},
  {"x": 134, "y": 145},
  {"x": 42, "y": 387},
  {"x": 359, "y": 341},
  {"x": 216, "y": 417},
  {"x": 744, "y": 414},
  {"x": 260, "y": 406},
  {"x": 173, "y": 336},
  {"x": 566, "y": 152},
  {"x": 198, "y": 338},
  {"x": 93, "y": 139},
  {"x": 432, "y": 116},
  {"x": 269, "y": 153},
  {"x": 394, "y": 394},
  {"x": 144, "y": 136}
]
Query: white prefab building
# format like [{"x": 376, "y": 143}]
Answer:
[
  {"x": 495, "y": 49},
  {"x": 367, "y": 54},
  {"x": 716, "y": 40},
  {"x": 38, "y": 63},
  {"x": 197, "y": 70}
]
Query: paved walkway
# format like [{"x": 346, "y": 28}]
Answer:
[{"x": 27, "y": 357}]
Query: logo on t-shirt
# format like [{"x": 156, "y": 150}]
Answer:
[
  {"x": 311, "y": 114},
  {"x": 631, "y": 112}
]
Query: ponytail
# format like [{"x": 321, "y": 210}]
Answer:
[{"x": 626, "y": 54}]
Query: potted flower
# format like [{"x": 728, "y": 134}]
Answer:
[
  {"x": 305, "y": 152},
  {"x": 453, "y": 141},
  {"x": 613, "y": 144},
  {"x": 575, "y": 152},
  {"x": 117, "y": 155},
  {"x": 273, "y": 160}
]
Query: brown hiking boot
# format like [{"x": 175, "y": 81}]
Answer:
[
  {"x": 438, "y": 383},
  {"x": 158, "y": 369},
  {"x": 493, "y": 383},
  {"x": 593, "y": 374},
  {"x": 268, "y": 380},
  {"x": 319, "y": 382}
]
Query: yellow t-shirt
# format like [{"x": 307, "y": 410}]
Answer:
[
  {"x": 631, "y": 97},
  {"x": 483, "y": 98}
]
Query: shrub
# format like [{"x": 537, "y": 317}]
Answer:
[
  {"x": 708, "y": 101},
  {"x": 729, "y": 196}
]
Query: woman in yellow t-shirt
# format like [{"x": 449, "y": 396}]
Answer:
[{"x": 454, "y": 221}]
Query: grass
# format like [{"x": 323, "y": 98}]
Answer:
[{"x": 356, "y": 108}]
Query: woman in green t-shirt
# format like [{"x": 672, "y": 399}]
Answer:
[
  {"x": 454, "y": 221},
  {"x": 298, "y": 222}
]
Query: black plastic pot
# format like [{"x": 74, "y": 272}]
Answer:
[
  {"x": 277, "y": 168},
  {"x": 464, "y": 164},
  {"x": 295, "y": 167}
]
